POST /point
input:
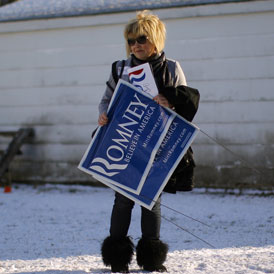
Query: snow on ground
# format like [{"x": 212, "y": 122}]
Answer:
[{"x": 56, "y": 229}]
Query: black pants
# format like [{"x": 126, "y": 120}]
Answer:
[{"x": 121, "y": 217}]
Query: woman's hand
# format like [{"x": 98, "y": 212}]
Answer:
[
  {"x": 162, "y": 101},
  {"x": 103, "y": 119}
]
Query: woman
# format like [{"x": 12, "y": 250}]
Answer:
[{"x": 145, "y": 39}]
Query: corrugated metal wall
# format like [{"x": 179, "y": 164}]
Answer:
[
  {"x": 53, "y": 74},
  {"x": 230, "y": 59}
]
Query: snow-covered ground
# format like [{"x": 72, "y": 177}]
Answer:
[{"x": 56, "y": 229}]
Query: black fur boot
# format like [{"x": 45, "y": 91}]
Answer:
[
  {"x": 117, "y": 253},
  {"x": 151, "y": 255}
]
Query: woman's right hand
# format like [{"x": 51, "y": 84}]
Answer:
[{"x": 103, "y": 119}]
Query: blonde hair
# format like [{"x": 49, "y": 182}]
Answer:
[{"x": 147, "y": 24}]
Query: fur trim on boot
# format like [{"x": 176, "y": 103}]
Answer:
[
  {"x": 117, "y": 253},
  {"x": 151, "y": 255}
]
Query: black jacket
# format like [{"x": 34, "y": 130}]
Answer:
[{"x": 185, "y": 101}]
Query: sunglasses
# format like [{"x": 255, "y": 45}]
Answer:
[{"x": 140, "y": 40}]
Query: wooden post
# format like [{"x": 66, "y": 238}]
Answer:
[{"x": 13, "y": 148}]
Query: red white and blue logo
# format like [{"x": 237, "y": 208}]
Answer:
[{"x": 136, "y": 77}]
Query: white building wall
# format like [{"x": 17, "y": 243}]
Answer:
[{"x": 53, "y": 74}]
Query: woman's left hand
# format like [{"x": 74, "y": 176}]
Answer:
[{"x": 162, "y": 101}]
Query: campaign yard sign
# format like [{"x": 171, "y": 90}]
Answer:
[
  {"x": 137, "y": 152},
  {"x": 116, "y": 153},
  {"x": 142, "y": 78}
]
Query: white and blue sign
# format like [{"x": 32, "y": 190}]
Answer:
[{"x": 140, "y": 147}]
